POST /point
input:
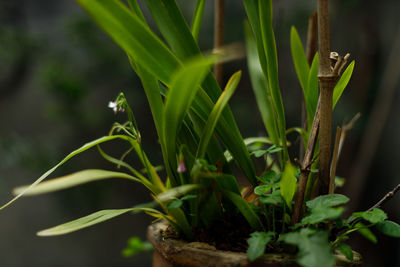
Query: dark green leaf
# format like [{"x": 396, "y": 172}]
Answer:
[
  {"x": 274, "y": 198},
  {"x": 374, "y": 216},
  {"x": 175, "y": 204},
  {"x": 389, "y": 228},
  {"x": 364, "y": 231},
  {"x": 320, "y": 214},
  {"x": 262, "y": 189},
  {"x": 244, "y": 208},
  {"x": 270, "y": 177},
  {"x": 257, "y": 244},
  {"x": 346, "y": 251},
  {"x": 326, "y": 201}
]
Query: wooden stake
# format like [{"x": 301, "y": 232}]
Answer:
[{"x": 219, "y": 37}]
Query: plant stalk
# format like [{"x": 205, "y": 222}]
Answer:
[
  {"x": 219, "y": 38},
  {"x": 327, "y": 82}
]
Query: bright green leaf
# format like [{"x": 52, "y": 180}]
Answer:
[
  {"x": 197, "y": 19},
  {"x": 136, "y": 245},
  {"x": 342, "y": 83},
  {"x": 288, "y": 183},
  {"x": 299, "y": 59},
  {"x": 216, "y": 113},
  {"x": 89, "y": 220},
  {"x": 69, "y": 156},
  {"x": 74, "y": 179}
]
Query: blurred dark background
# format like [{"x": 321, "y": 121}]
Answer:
[{"x": 58, "y": 72}]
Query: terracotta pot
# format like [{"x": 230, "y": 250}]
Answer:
[{"x": 169, "y": 252}]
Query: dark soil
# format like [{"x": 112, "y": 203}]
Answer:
[{"x": 228, "y": 235}]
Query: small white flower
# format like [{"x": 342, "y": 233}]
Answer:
[{"x": 113, "y": 106}]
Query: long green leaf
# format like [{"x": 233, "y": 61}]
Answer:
[
  {"x": 216, "y": 113},
  {"x": 259, "y": 85},
  {"x": 74, "y": 179},
  {"x": 69, "y": 156},
  {"x": 136, "y": 9},
  {"x": 244, "y": 208},
  {"x": 268, "y": 37},
  {"x": 288, "y": 183},
  {"x": 176, "y": 192},
  {"x": 312, "y": 91},
  {"x": 132, "y": 35},
  {"x": 89, "y": 220},
  {"x": 184, "y": 86},
  {"x": 342, "y": 83},
  {"x": 299, "y": 59},
  {"x": 197, "y": 19}
]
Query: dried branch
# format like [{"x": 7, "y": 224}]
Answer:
[
  {"x": 311, "y": 49},
  {"x": 389, "y": 195},
  {"x": 305, "y": 168},
  {"x": 334, "y": 160},
  {"x": 345, "y": 129},
  {"x": 376, "y": 123},
  {"x": 329, "y": 72},
  {"x": 219, "y": 37},
  {"x": 327, "y": 81}
]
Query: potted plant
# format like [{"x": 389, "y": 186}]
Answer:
[{"x": 286, "y": 209}]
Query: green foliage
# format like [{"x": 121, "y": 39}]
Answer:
[
  {"x": 389, "y": 228},
  {"x": 364, "y": 231},
  {"x": 346, "y": 251},
  {"x": 195, "y": 125},
  {"x": 257, "y": 244},
  {"x": 314, "y": 247},
  {"x": 374, "y": 216},
  {"x": 320, "y": 214},
  {"x": 288, "y": 184},
  {"x": 136, "y": 245},
  {"x": 326, "y": 201}
]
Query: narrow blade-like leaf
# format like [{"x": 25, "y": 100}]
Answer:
[
  {"x": 288, "y": 183},
  {"x": 216, "y": 113},
  {"x": 74, "y": 179},
  {"x": 244, "y": 208},
  {"x": 259, "y": 85},
  {"x": 299, "y": 59},
  {"x": 69, "y": 156},
  {"x": 184, "y": 86},
  {"x": 342, "y": 83},
  {"x": 197, "y": 19},
  {"x": 89, "y": 220}
]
